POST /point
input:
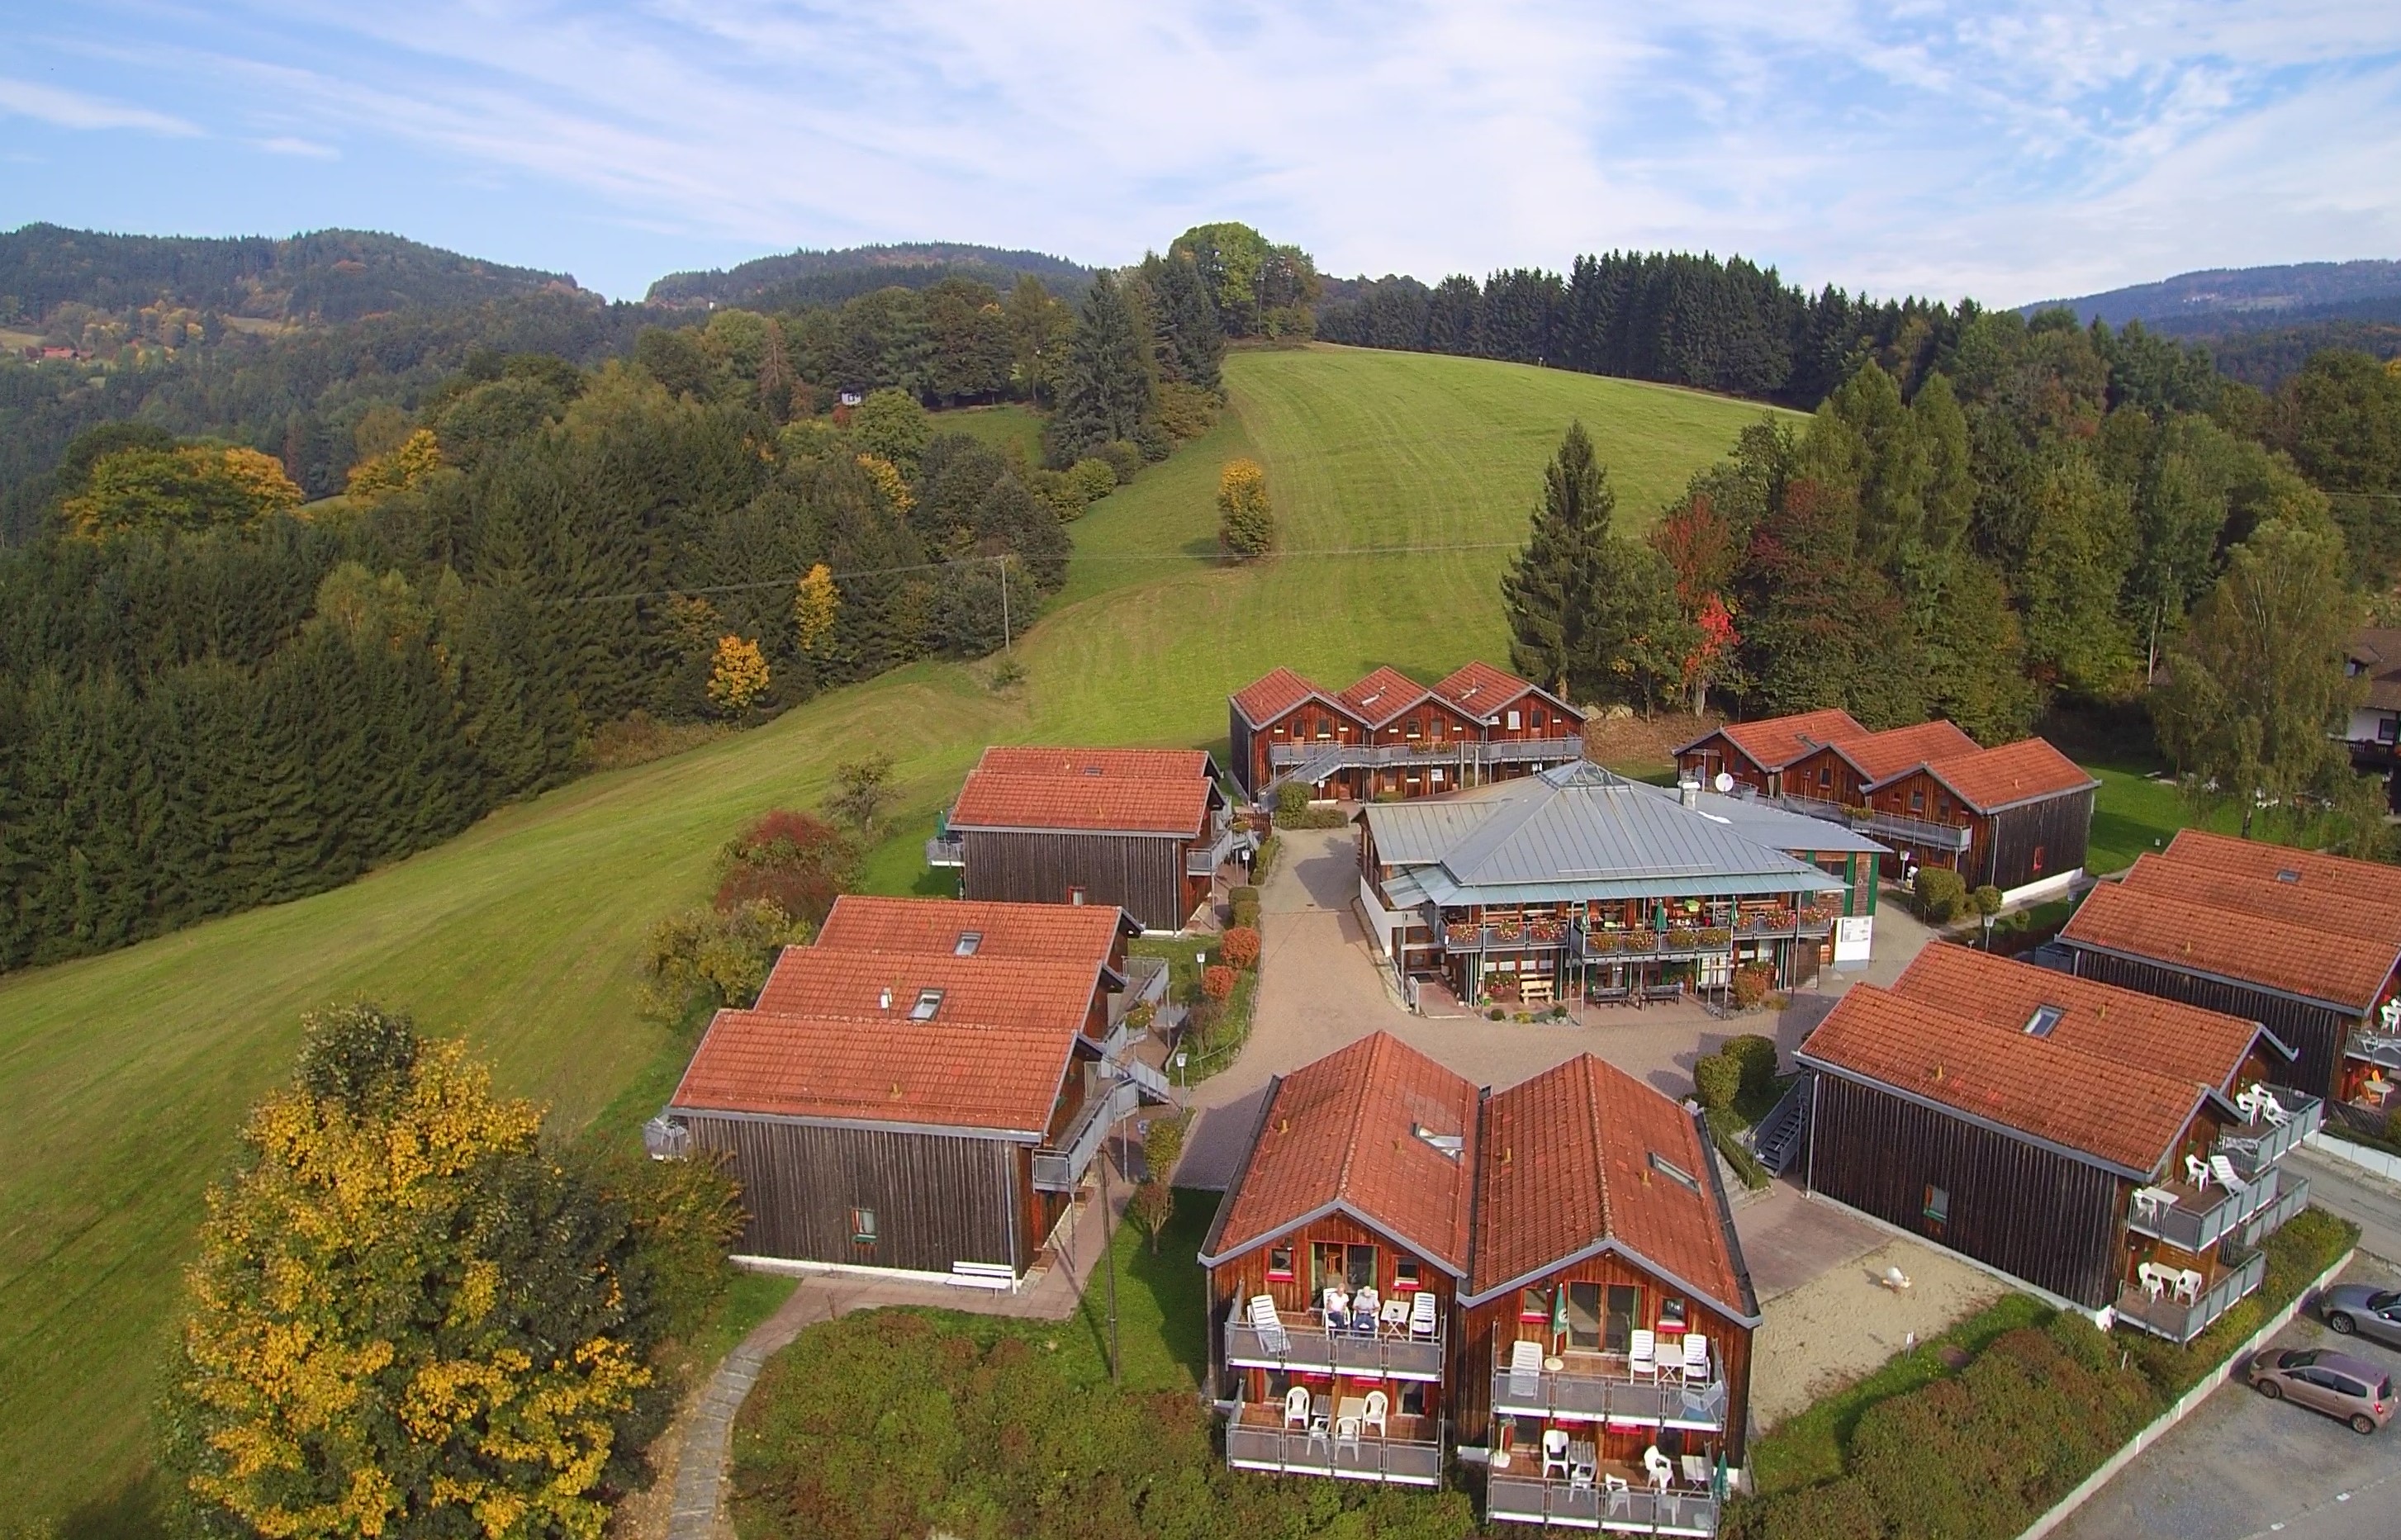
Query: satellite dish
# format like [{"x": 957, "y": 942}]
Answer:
[{"x": 1724, "y": 782}]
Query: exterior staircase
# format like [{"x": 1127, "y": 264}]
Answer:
[{"x": 1784, "y": 1133}]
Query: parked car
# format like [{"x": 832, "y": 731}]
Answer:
[
  {"x": 2353, "y": 1389},
  {"x": 2357, "y": 1307}
]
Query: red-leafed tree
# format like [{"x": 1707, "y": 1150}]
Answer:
[
  {"x": 1699, "y": 543},
  {"x": 798, "y": 860},
  {"x": 1713, "y": 653}
]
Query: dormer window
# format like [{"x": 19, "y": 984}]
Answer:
[
  {"x": 928, "y": 1002},
  {"x": 2045, "y": 1018},
  {"x": 967, "y": 943}
]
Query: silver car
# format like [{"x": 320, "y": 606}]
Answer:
[{"x": 2373, "y": 1313}]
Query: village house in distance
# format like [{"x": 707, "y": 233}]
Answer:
[
  {"x": 1145, "y": 830},
  {"x": 2120, "y": 1150},
  {"x": 1575, "y": 883},
  {"x": 2016, "y": 817},
  {"x": 1546, "y": 1277},
  {"x": 1389, "y": 736},
  {"x": 923, "y": 1090}
]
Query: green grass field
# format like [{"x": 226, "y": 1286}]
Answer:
[
  {"x": 123, "y": 1078},
  {"x": 1004, "y": 427}
]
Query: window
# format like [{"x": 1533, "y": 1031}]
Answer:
[
  {"x": 2288, "y": 875},
  {"x": 1938, "y": 1204},
  {"x": 2045, "y": 1018},
  {"x": 1625, "y": 1305},
  {"x": 928, "y": 1002},
  {"x": 968, "y": 942},
  {"x": 1417, "y": 728},
  {"x": 1437, "y": 775},
  {"x": 1535, "y": 721},
  {"x": 1584, "y": 1315},
  {"x": 2388, "y": 729},
  {"x": 1350, "y": 1266},
  {"x": 1825, "y": 775},
  {"x": 1279, "y": 1263},
  {"x": 1534, "y": 1304},
  {"x": 862, "y": 1227},
  {"x": 2038, "y": 858},
  {"x": 1673, "y": 1172},
  {"x": 1075, "y": 896},
  {"x": 1513, "y": 721},
  {"x": 1408, "y": 1275},
  {"x": 1917, "y": 801},
  {"x": 1671, "y": 1315}
]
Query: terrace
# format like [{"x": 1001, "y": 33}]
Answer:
[
  {"x": 1336, "y": 1442},
  {"x": 2194, "y": 1219},
  {"x": 2180, "y": 1317},
  {"x": 1304, "y": 1344},
  {"x": 1619, "y": 1499},
  {"x": 2260, "y": 1143},
  {"x": 1877, "y": 822},
  {"x": 1602, "y": 1387}
]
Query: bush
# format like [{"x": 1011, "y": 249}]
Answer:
[
  {"x": 1240, "y": 895},
  {"x": 1942, "y": 894},
  {"x": 1246, "y": 916},
  {"x": 797, "y": 861},
  {"x": 705, "y": 959},
  {"x": 1217, "y": 982},
  {"x": 1756, "y": 1055},
  {"x": 1187, "y": 411},
  {"x": 1092, "y": 479},
  {"x": 1240, "y": 946},
  {"x": 1717, "y": 1080},
  {"x": 1245, "y": 518},
  {"x": 1264, "y": 860},
  {"x": 1123, "y": 459},
  {"x": 1752, "y": 985},
  {"x": 1841, "y": 1509}
]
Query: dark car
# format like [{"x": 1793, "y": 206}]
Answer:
[
  {"x": 2371, "y": 1312},
  {"x": 2353, "y": 1389}
]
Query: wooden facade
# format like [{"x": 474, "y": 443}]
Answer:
[
  {"x": 1426, "y": 747},
  {"x": 2315, "y": 1031},
  {"x": 1144, "y": 875}
]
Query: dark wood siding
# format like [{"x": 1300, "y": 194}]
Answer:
[
  {"x": 2057, "y": 827},
  {"x": 2035, "y": 1213},
  {"x": 938, "y": 1198},
  {"x": 1143, "y": 875},
  {"x": 1249, "y": 776},
  {"x": 2315, "y": 1032},
  {"x": 1245, "y": 1274}
]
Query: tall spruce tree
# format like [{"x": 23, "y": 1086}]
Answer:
[
  {"x": 1550, "y": 588},
  {"x": 1106, "y": 392}
]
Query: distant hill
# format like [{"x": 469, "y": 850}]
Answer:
[
  {"x": 327, "y": 275},
  {"x": 2218, "y": 301},
  {"x": 827, "y": 278}
]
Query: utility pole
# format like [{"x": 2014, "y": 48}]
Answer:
[
  {"x": 1109, "y": 1260},
  {"x": 1003, "y": 560}
]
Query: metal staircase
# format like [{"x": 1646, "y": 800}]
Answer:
[
  {"x": 1781, "y": 1136},
  {"x": 1153, "y": 1085}
]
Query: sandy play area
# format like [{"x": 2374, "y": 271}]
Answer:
[{"x": 1843, "y": 1323}]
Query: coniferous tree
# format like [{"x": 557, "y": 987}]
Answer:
[
  {"x": 1105, "y": 391},
  {"x": 1548, "y": 589}
]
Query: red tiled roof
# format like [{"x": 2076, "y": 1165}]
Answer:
[
  {"x": 1773, "y": 743},
  {"x": 1049, "y": 932},
  {"x": 1272, "y": 694},
  {"x": 990, "y": 990},
  {"x": 1345, "y": 1130},
  {"x": 2182, "y": 1041},
  {"x": 2313, "y": 871},
  {"x": 1480, "y": 689},
  {"x": 1881, "y": 755},
  {"x": 1383, "y": 696},
  {"x": 2296, "y": 902},
  {"x": 947, "y": 1075},
  {"x": 1990, "y": 779},
  {"x": 1131, "y": 764},
  {"x": 2095, "y": 1090},
  {"x": 2310, "y": 960},
  {"x": 1096, "y": 803},
  {"x": 1567, "y": 1166}
]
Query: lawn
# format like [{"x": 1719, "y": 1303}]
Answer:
[
  {"x": 1004, "y": 427},
  {"x": 123, "y": 1077}
]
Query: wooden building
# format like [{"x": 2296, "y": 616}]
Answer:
[
  {"x": 924, "y": 1089},
  {"x": 1389, "y": 736},
  {"x": 1358, "y": 1182},
  {"x": 2017, "y": 816},
  {"x": 2118, "y": 1151},
  {"x": 2373, "y": 731},
  {"x": 1577, "y": 883},
  {"x": 1145, "y": 830},
  {"x": 1579, "y": 1213},
  {"x": 2307, "y": 943}
]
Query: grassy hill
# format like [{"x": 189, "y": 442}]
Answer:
[{"x": 123, "y": 1077}]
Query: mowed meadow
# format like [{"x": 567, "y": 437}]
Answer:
[{"x": 1401, "y": 483}]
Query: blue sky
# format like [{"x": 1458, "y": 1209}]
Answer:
[{"x": 2013, "y": 151}]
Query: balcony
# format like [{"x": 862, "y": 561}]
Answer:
[
  {"x": 1311, "y": 1349},
  {"x": 1874, "y": 822},
  {"x": 1598, "y": 1387},
  {"x": 1519, "y": 936},
  {"x": 1635, "y": 1510},
  {"x": 1254, "y": 1442},
  {"x": 1202, "y": 860},
  {"x": 2196, "y": 1219},
  {"x": 1643, "y": 945},
  {"x": 2180, "y": 1322},
  {"x": 1060, "y": 1167},
  {"x": 2379, "y": 1049},
  {"x": 2260, "y": 1143},
  {"x": 946, "y": 851}
]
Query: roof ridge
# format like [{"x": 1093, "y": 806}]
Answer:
[
  {"x": 1356, "y": 1119},
  {"x": 2121, "y": 1068},
  {"x": 1600, "y": 1144}
]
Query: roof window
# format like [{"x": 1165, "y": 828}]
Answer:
[
  {"x": 2288, "y": 875},
  {"x": 968, "y": 942},
  {"x": 928, "y": 1001},
  {"x": 2044, "y": 1018},
  {"x": 1453, "y": 1145},
  {"x": 1673, "y": 1172}
]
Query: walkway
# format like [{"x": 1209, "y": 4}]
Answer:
[{"x": 699, "y": 1463}]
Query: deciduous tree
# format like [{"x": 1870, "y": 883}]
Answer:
[
  {"x": 1245, "y": 521},
  {"x": 817, "y": 602},
  {"x": 739, "y": 674}
]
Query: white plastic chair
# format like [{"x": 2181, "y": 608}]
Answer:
[
  {"x": 1422, "y": 1323},
  {"x": 1661, "y": 1469},
  {"x": 1379, "y": 1406},
  {"x": 1555, "y": 1453},
  {"x": 1620, "y": 1495},
  {"x": 1268, "y": 1325},
  {"x": 1580, "y": 1477},
  {"x": 2269, "y": 1108},
  {"x": 2226, "y": 1176},
  {"x": 1347, "y": 1432},
  {"x": 2196, "y": 1172},
  {"x": 1525, "y": 1371},
  {"x": 2246, "y": 1101},
  {"x": 1365, "y": 1305},
  {"x": 2153, "y": 1279},
  {"x": 2188, "y": 1285},
  {"x": 1697, "y": 1359},
  {"x": 1642, "y": 1356},
  {"x": 1295, "y": 1407}
]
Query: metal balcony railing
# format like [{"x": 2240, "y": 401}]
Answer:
[
  {"x": 1404, "y": 1462},
  {"x": 2259, "y": 1144},
  {"x": 2196, "y": 1222},
  {"x": 1915, "y": 831},
  {"x": 1429, "y": 751},
  {"x": 1585, "y": 1396},
  {"x": 1061, "y": 1167},
  {"x": 2291, "y": 1200},
  {"x": 946, "y": 852},
  {"x": 2178, "y": 1322},
  {"x": 1515, "y": 1499},
  {"x": 2381, "y": 1049},
  {"x": 1309, "y": 1348}
]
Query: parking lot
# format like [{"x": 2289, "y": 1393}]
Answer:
[{"x": 2245, "y": 1466}]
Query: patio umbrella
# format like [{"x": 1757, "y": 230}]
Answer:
[{"x": 1559, "y": 1312}]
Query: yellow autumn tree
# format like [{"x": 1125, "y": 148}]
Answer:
[
  {"x": 405, "y": 1318},
  {"x": 888, "y": 481},
  {"x": 1246, "y": 521},
  {"x": 189, "y": 486},
  {"x": 419, "y": 456},
  {"x": 740, "y": 676},
  {"x": 814, "y": 607}
]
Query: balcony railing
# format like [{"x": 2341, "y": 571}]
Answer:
[
  {"x": 946, "y": 852},
  {"x": 1403, "y": 1462},
  {"x": 1060, "y": 1167},
  {"x": 2294, "y": 1197},
  {"x": 1915, "y": 831},
  {"x": 2381, "y": 1049},
  {"x": 1200, "y": 860},
  {"x": 2178, "y": 1322},
  {"x": 2259, "y": 1144},
  {"x": 1635, "y": 1510},
  {"x": 1524, "y": 936},
  {"x": 1579, "y": 1395},
  {"x": 1310, "y": 1349},
  {"x": 2199, "y": 1219},
  {"x": 1427, "y": 750}
]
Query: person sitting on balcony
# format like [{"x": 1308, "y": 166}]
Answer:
[
  {"x": 1363, "y": 1308},
  {"x": 1338, "y": 1308}
]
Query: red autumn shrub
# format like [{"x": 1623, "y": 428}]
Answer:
[
  {"x": 795, "y": 859},
  {"x": 1217, "y": 981},
  {"x": 1240, "y": 946}
]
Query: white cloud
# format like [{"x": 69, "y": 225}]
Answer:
[
  {"x": 307, "y": 149},
  {"x": 66, "y": 109}
]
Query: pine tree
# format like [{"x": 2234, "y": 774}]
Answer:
[
  {"x": 1106, "y": 392},
  {"x": 1548, "y": 589}
]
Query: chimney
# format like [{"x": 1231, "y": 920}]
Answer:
[{"x": 1689, "y": 793}]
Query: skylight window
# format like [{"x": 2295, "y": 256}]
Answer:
[
  {"x": 1453, "y": 1145},
  {"x": 1673, "y": 1172},
  {"x": 2044, "y": 1018},
  {"x": 928, "y": 1001},
  {"x": 968, "y": 942},
  {"x": 2288, "y": 875}
]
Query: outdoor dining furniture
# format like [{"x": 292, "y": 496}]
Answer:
[
  {"x": 2197, "y": 1171},
  {"x": 1268, "y": 1325},
  {"x": 1697, "y": 1359},
  {"x": 1553, "y": 1364},
  {"x": 2188, "y": 1285},
  {"x": 1376, "y": 1415},
  {"x": 1696, "y": 1470},
  {"x": 1579, "y": 1476},
  {"x": 2271, "y": 1109},
  {"x": 1395, "y": 1316},
  {"x": 1525, "y": 1371},
  {"x": 2153, "y": 1277},
  {"x": 1661, "y": 1469},
  {"x": 1346, "y": 1431},
  {"x": 1642, "y": 1356},
  {"x": 2226, "y": 1176},
  {"x": 1555, "y": 1453},
  {"x": 2151, "y": 1202},
  {"x": 1620, "y": 1496},
  {"x": 1421, "y": 1317},
  {"x": 1295, "y": 1407},
  {"x": 1365, "y": 1308}
]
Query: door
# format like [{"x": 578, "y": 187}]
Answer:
[
  {"x": 1625, "y": 1308},
  {"x": 2315, "y": 1387},
  {"x": 1584, "y": 1315}
]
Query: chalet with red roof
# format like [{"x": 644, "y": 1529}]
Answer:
[
  {"x": 2018, "y": 816},
  {"x": 923, "y": 1090},
  {"x": 2118, "y": 1151},
  {"x": 1389, "y": 736},
  {"x": 2307, "y": 943},
  {"x": 1145, "y": 830},
  {"x": 1547, "y": 1274}
]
